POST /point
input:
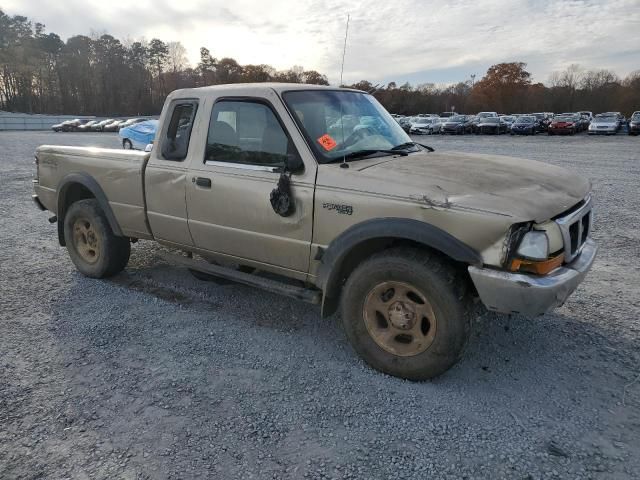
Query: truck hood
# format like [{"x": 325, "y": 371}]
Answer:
[{"x": 522, "y": 189}]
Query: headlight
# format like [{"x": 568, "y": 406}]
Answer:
[{"x": 534, "y": 246}]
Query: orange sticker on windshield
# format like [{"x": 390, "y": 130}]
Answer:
[{"x": 327, "y": 142}]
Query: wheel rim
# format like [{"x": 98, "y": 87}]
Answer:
[
  {"x": 399, "y": 318},
  {"x": 86, "y": 240}
]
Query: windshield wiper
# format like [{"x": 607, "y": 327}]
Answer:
[
  {"x": 369, "y": 151},
  {"x": 402, "y": 146}
]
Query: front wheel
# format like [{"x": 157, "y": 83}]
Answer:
[
  {"x": 127, "y": 145},
  {"x": 406, "y": 313},
  {"x": 94, "y": 249}
]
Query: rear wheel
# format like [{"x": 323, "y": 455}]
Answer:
[
  {"x": 94, "y": 249},
  {"x": 406, "y": 313}
]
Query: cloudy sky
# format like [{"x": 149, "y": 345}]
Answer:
[{"x": 401, "y": 40}]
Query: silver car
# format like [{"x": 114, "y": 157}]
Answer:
[
  {"x": 604, "y": 125},
  {"x": 508, "y": 119},
  {"x": 426, "y": 126}
]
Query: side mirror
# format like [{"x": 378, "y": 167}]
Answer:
[{"x": 293, "y": 163}]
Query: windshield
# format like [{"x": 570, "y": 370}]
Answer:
[
  {"x": 425, "y": 120},
  {"x": 604, "y": 119},
  {"x": 526, "y": 119},
  {"x": 337, "y": 122},
  {"x": 459, "y": 118},
  {"x": 563, "y": 118},
  {"x": 491, "y": 120}
]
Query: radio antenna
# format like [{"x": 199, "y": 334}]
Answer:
[{"x": 344, "y": 49}]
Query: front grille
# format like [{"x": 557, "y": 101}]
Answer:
[{"x": 576, "y": 227}]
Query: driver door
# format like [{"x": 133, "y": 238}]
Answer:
[{"x": 228, "y": 195}]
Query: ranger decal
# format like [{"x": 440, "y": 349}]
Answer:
[{"x": 342, "y": 209}]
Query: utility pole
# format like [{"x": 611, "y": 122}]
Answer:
[
  {"x": 344, "y": 49},
  {"x": 473, "y": 79}
]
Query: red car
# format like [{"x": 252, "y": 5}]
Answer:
[{"x": 563, "y": 125}]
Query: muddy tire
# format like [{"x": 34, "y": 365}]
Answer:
[
  {"x": 407, "y": 313},
  {"x": 94, "y": 249}
]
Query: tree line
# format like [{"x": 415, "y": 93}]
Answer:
[
  {"x": 508, "y": 88},
  {"x": 102, "y": 75},
  {"x": 40, "y": 73}
]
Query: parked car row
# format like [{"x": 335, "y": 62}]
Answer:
[
  {"x": 568, "y": 123},
  {"x": 108, "y": 125}
]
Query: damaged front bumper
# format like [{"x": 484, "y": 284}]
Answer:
[{"x": 508, "y": 292}]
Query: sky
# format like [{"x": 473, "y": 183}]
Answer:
[{"x": 418, "y": 41}]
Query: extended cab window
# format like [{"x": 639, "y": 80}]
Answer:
[
  {"x": 175, "y": 143},
  {"x": 245, "y": 132}
]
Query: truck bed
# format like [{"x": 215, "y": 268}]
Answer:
[{"x": 119, "y": 173}]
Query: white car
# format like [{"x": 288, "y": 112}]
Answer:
[{"x": 425, "y": 126}]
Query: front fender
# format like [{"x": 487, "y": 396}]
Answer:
[{"x": 334, "y": 259}]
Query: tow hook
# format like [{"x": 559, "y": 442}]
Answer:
[{"x": 53, "y": 219}]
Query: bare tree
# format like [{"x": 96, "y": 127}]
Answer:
[{"x": 177, "y": 57}]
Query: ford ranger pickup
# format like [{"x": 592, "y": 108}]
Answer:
[{"x": 322, "y": 189}]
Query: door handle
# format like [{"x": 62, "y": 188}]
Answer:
[{"x": 202, "y": 182}]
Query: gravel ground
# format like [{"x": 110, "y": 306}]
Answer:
[{"x": 154, "y": 374}]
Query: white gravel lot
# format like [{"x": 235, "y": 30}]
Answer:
[{"x": 154, "y": 374}]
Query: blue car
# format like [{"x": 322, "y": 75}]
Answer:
[
  {"x": 139, "y": 135},
  {"x": 524, "y": 125}
]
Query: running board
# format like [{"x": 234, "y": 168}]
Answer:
[{"x": 305, "y": 294}]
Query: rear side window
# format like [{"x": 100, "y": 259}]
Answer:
[{"x": 175, "y": 142}]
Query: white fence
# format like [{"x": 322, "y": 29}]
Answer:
[{"x": 25, "y": 121}]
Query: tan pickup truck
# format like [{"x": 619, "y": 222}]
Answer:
[{"x": 321, "y": 187}]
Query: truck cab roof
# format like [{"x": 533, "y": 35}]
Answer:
[{"x": 255, "y": 88}]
